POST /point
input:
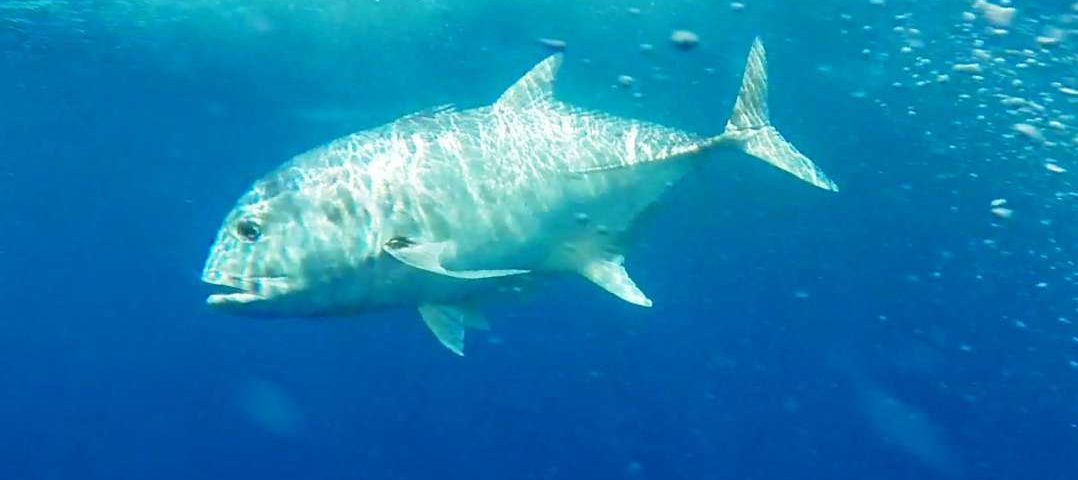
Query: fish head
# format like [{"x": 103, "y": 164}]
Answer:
[{"x": 289, "y": 251}]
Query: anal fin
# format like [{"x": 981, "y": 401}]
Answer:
[{"x": 610, "y": 274}]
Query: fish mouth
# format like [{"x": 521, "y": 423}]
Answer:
[
  {"x": 237, "y": 290},
  {"x": 236, "y": 298}
]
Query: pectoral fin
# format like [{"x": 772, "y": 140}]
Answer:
[
  {"x": 428, "y": 256},
  {"x": 609, "y": 274},
  {"x": 448, "y": 323}
]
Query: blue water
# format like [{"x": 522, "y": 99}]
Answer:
[{"x": 896, "y": 329}]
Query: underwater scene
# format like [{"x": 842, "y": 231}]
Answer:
[{"x": 538, "y": 240}]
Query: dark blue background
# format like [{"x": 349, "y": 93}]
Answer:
[{"x": 893, "y": 330}]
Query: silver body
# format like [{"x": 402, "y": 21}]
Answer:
[{"x": 437, "y": 208}]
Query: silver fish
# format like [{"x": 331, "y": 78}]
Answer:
[{"x": 438, "y": 208}]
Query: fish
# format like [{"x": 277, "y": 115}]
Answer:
[{"x": 441, "y": 209}]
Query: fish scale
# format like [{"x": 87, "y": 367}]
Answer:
[{"x": 440, "y": 208}]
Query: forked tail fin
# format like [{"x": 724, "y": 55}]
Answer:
[{"x": 751, "y": 128}]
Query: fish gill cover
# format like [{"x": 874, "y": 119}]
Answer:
[{"x": 919, "y": 323}]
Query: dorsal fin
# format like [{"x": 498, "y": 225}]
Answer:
[
  {"x": 431, "y": 112},
  {"x": 534, "y": 87}
]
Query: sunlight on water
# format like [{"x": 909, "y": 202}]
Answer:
[{"x": 918, "y": 324}]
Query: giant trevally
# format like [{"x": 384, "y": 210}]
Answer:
[{"x": 437, "y": 208}]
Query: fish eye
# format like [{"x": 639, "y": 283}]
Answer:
[{"x": 249, "y": 230}]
